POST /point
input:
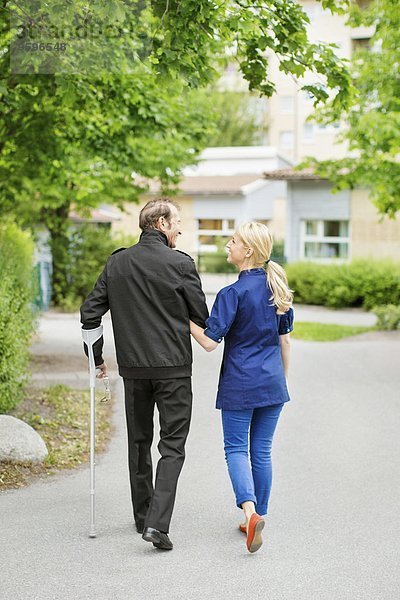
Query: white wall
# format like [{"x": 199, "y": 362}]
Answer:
[
  {"x": 261, "y": 203},
  {"x": 236, "y": 160},
  {"x": 218, "y": 207}
]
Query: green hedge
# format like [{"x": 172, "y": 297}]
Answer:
[
  {"x": 215, "y": 262},
  {"x": 16, "y": 317},
  {"x": 90, "y": 246},
  {"x": 363, "y": 283},
  {"x": 388, "y": 317}
]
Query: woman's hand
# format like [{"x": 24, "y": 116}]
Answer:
[{"x": 205, "y": 342}]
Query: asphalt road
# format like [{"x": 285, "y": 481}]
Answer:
[{"x": 333, "y": 530}]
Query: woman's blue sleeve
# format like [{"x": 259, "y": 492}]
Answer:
[
  {"x": 286, "y": 322},
  {"x": 223, "y": 314}
]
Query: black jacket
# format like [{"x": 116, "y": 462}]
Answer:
[{"x": 152, "y": 291}]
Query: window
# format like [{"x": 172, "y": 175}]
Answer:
[
  {"x": 213, "y": 232},
  {"x": 330, "y": 127},
  {"x": 286, "y": 138},
  {"x": 311, "y": 227},
  {"x": 308, "y": 132},
  {"x": 287, "y": 104},
  {"x": 361, "y": 44},
  {"x": 336, "y": 228},
  {"x": 325, "y": 240},
  {"x": 210, "y": 224}
]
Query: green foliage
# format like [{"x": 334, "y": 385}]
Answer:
[
  {"x": 195, "y": 32},
  {"x": 16, "y": 250},
  {"x": 278, "y": 252},
  {"x": 75, "y": 125},
  {"x": 215, "y": 262},
  {"x": 360, "y": 283},
  {"x": 325, "y": 332},
  {"x": 16, "y": 318},
  {"x": 89, "y": 248},
  {"x": 373, "y": 115},
  {"x": 388, "y": 316},
  {"x": 236, "y": 119}
]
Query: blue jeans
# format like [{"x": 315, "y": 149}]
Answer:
[{"x": 250, "y": 473}]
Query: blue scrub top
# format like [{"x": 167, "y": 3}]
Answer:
[{"x": 252, "y": 371}]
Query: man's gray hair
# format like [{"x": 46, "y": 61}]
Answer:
[{"x": 153, "y": 210}]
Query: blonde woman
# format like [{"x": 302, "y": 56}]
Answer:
[{"x": 254, "y": 316}]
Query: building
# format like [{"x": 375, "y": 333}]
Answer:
[
  {"x": 326, "y": 227},
  {"x": 299, "y": 207},
  {"x": 226, "y": 188},
  {"x": 237, "y": 184},
  {"x": 288, "y": 111}
]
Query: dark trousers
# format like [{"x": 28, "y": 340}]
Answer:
[{"x": 153, "y": 505}]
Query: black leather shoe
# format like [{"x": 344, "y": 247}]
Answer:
[
  {"x": 139, "y": 527},
  {"x": 158, "y": 538}
]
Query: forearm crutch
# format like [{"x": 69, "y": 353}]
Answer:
[{"x": 90, "y": 336}]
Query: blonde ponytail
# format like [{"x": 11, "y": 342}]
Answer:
[
  {"x": 282, "y": 295},
  {"x": 258, "y": 237}
]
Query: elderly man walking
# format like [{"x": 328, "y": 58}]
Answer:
[{"x": 152, "y": 292}]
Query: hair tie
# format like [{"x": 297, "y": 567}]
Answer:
[{"x": 267, "y": 261}]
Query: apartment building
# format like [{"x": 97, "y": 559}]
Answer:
[
  {"x": 290, "y": 129},
  {"x": 288, "y": 111}
]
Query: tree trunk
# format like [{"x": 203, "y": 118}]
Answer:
[{"x": 58, "y": 223}]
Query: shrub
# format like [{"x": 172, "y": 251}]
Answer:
[
  {"x": 278, "y": 252},
  {"x": 215, "y": 262},
  {"x": 90, "y": 247},
  {"x": 388, "y": 316},
  {"x": 360, "y": 283},
  {"x": 16, "y": 317}
]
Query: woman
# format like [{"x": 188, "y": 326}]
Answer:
[{"x": 255, "y": 317}]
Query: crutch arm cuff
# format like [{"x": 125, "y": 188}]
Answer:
[{"x": 97, "y": 351}]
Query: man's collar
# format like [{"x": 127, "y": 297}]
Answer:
[{"x": 153, "y": 235}]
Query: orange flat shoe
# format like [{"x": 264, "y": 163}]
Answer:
[
  {"x": 254, "y": 535},
  {"x": 242, "y": 528}
]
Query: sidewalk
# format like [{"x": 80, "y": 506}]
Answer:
[
  {"x": 341, "y": 316},
  {"x": 331, "y": 533}
]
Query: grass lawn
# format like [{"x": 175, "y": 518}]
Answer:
[
  {"x": 325, "y": 332},
  {"x": 61, "y": 416}
]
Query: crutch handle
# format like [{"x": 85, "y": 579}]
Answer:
[{"x": 90, "y": 336}]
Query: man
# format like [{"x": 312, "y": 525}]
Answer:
[{"x": 152, "y": 291}]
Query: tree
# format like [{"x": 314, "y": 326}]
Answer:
[
  {"x": 78, "y": 117},
  {"x": 373, "y": 117},
  {"x": 237, "y": 121}
]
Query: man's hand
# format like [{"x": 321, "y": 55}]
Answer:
[{"x": 101, "y": 370}]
